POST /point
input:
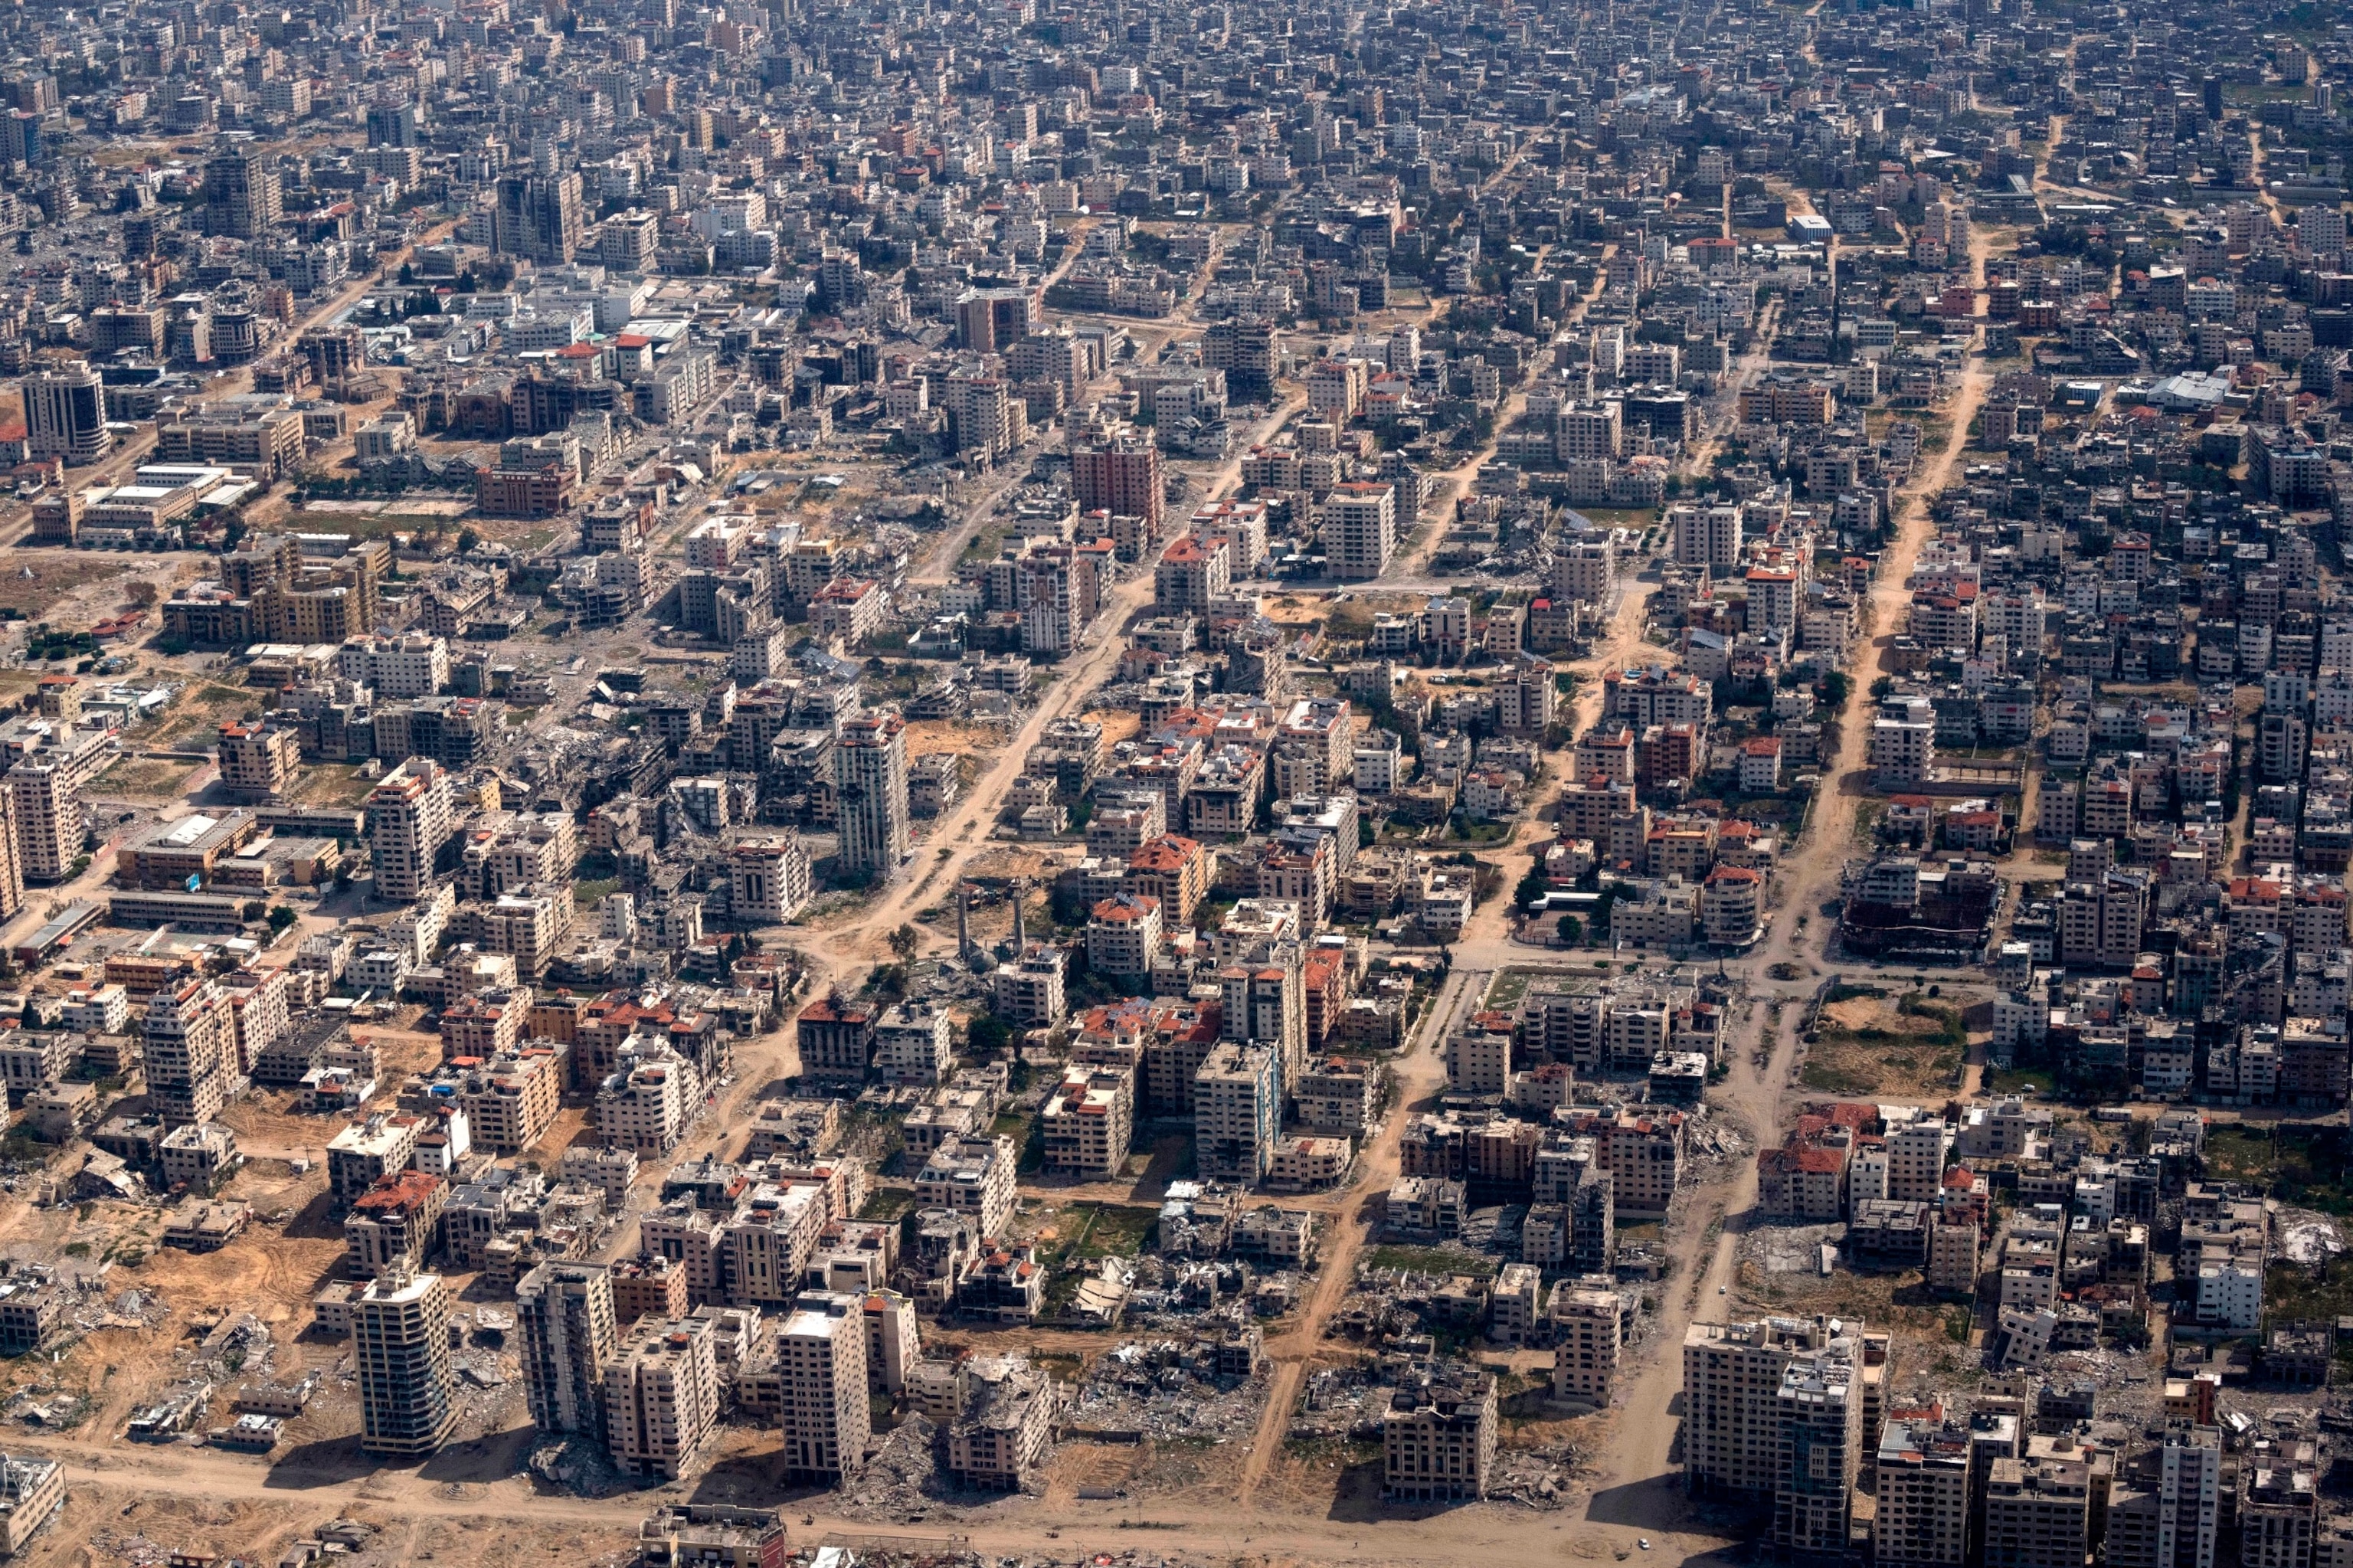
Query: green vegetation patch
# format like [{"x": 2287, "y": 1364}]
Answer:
[
  {"x": 2300, "y": 1165},
  {"x": 1433, "y": 1260},
  {"x": 887, "y": 1204}
]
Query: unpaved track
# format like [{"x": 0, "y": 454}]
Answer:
[{"x": 1641, "y": 1485}]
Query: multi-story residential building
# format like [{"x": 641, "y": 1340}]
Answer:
[
  {"x": 400, "y": 1356},
  {"x": 259, "y": 762},
  {"x": 392, "y": 1227},
  {"x": 1088, "y": 1122},
  {"x": 2187, "y": 1497},
  {"x": 1925, "y": 1471},
  {"x": 1588, "y": 1335},
  {"x": 1120, "y": 476},
  {"x": 1360, "y": 529},
  {"x": 1236, "y": 1111},
  {"x": 974, "y": 1176},
  {"x": 769, "y": 879},
  {"x": 565, "y": 1312},
  {"x": 65, "y": 414},
  {"x": 835, "y": 1037},
  {"x": 1000, "y": 1437},
  {"x": 1819, "y": 1446},
  {"x": 45, "y": 821},
  {"x": 2038, "y": 1512},
  {"x": 822, "y": 1359},
  {"x": 366, "y": 1151},
  {"x": 914, "y": 1043},
  {"x": 870, "y": 788},
  {"x": 2101, "y": 922},
  {"x": 1438, "y": 1437},
  {"x": 1706, "y": 536},
  {"x": 2279, "y": 1521},
  {"x": 191, "y": 1052},
  {"x": 1123, "y": 935},
  {"x": 661, "y": 1397},
  {"x": 1193, "y": 574},
  {"x": 647, "y": 1101},
  {"x": 1731, "y": 1387},
  {"x": 511, "y": 1099},
  {"x": 1915, "y": 1160},
  {"x": 411, "y": 814},
  {"x": 1030, "y": 991}
]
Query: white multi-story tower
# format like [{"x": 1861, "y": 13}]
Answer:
[
  {"x": 870, "y": 776},
  {"x": 400, "y": 1350},
  {"x": 1359, "y": 529},
  {"x": 661, "y": 1397},
  {"x": 565, "y": 1310},
  {"x": 65, "y": 414},
  {"x": 410, "y": 815},
  {"x": 191, "y": 1051},
  {"x": 821, "y": 1353}
]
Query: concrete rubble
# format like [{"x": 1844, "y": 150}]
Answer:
[{"x": 1160, "y": 1390}]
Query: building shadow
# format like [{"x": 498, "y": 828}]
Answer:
[
  {"x": 492, "y": 1458},
  {"x": 329, "y": 1462}
]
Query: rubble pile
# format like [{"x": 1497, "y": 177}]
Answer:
[
  {"x": 904, "y": 1474},
  {"x": 579, "y": 1465},
  {"x": 45, "y": 1407},
  {"x": 1339, "y": 1403},
  {"x": 129, "y": 1547},
  {"x": 484, "y": 1369},
  {"x": 2308, "y": 1238},
  {"x": 1711, "y": 1142},
  {"x": 1495, "y": 1232},
  {"x": 1160, "y": 1390},
  {"x": 239, "y": 1346},
  {"x": 1537, "y": 1478},
  {"x": 1790, "y": 1249}
]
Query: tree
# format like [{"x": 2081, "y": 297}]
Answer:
[
  {"x": 904, "y": 942},
  {"x": 280, "y": 918},
  {"x": 141, "y": 593},
  {"x": 467, "y": 540},
  {"x": 987, "y": 1035},
  {"x": 1572, "y": 931}
]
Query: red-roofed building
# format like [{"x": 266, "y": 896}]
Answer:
[
  {"x": 394, "y": 1223},
  {"x": 1002, "y": 1284},
  {"x": 1802, "y": 1182},
  {"x": 1174, "y": 870},
  {"x": 1325, "y": 984},
  {"x": 835, "y": 1037}
]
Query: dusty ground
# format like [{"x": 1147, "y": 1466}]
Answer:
[
  {"x": 199, "y": 709},
  {"x": 401, "y": 1052},
  {"x": 333, "y": 784},
  {"x": 1118, "y": 724},
  {"x": 145, "y": 779},
  {"x": 925, "y": 737},
  {"x": 60, "y": 586},
  {"x": 1296, "y": 608},
  {"x": 99, "y": 1526},
  {"x": 1867, "y": 1046},
  {"x": 1014, "y": 860}
]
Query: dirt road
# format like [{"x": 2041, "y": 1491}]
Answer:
[
  {"x": 1421, "y": 1073},
  {"x": 1642, "y": 1488},
  {"x": 446, "y": 1488}
]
